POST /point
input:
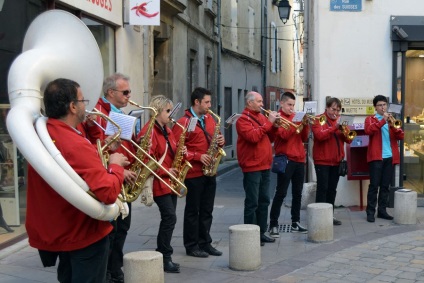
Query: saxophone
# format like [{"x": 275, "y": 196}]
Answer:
[
  {"x": 132, "y": 191},
  {"x": 177, "y": 163},
  {"x": 214, "y": 150}
]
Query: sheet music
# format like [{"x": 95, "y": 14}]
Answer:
[
  {"x": 310, "y": 107},
  {"x": 175, "y": 110},
  {"x": 395, "y": 108},
  {"x": 192, "y": 124},
  {"x": 233, "y": 118},
  {"x": 346, "y": 120},
  {"x": 136, "y": 113},
  {"x": 298, "y": 117},
  {"x": 126, "y": 122}
]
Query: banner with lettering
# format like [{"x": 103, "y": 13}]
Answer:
[{"x": 144, "y": 13}]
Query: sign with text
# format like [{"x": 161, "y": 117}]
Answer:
[
  {"x": 357, "y": 105},
  {"x": 346, "y": 5},
  {"x": 108, "y": 10}
]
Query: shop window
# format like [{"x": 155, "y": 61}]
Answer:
[{"x": 105, "y": 37}]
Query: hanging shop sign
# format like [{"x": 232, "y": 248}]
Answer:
[{"x": 145, "y": 13}]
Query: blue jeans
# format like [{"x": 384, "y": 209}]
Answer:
[
  {"x": 256, "y": 187},
  {"x": 295, "y": 173},
  {"x": 381, "y": 173}
]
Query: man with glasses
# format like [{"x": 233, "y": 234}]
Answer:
[
  {"x": 328, "y": 151},
  {"x": 382, "y": 155},
  {"x": 117, "y": 92},
  {"x": 56, "y": 227},
  {"x": 290, "y": 143}
]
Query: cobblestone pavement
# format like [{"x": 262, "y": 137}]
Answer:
[{"x": 360, "y": 252}]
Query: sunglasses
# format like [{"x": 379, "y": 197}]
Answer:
[
  {"x": 124, "y": 92},
  {"x": 168, "y": 110}
]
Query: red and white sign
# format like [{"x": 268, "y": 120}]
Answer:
[{"x": 144, "y": 12}]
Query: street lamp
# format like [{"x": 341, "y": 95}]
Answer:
[{"x": 284, "y": 9}]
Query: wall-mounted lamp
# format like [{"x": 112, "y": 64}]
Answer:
[{"x": 284, "y": 9}]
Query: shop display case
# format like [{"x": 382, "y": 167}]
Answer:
[{"x": 414, "y": 156}]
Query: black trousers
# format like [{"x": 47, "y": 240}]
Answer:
[
  {"x": 327, "y": 180},
  {"x": 295, "y": 172},
  {"x": 256, "y": 187},
  {"x": 84, "y": 265},
  {"x": 198, "y": 212},
  {"x": 167, "y": 205},
  {"x": 381, "y": 173},
  {"x": 117, "y": 240}
]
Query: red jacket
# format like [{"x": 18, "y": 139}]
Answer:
[
  {"x": 254, "y": 150},
  {"x": 325, "y": 149},
  {"x": 375, "y": 146},
  {"x": 289, "y": 143},
  {"x": 52, "y": 223},
  {"x": 157, "y": 149},
  {"x": 196, "y": 141},
  {"x": 94, "y": 132}
]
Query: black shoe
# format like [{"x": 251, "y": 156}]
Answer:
[
  {"x": 336, "y": 221},
  {"x": 370, "y": 218},
  {"x": 262, "y": 244},
  {"x": 266, "y": 239},
  {"x": 118, "y": 279},
  {"x": 212, "y": 251},
  {"x": 170, "y": 267},
  {"x": 197, "y": 253},
  {"x": 385, "y": 216}
]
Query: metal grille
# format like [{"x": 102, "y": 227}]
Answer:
[{"x": 283, "y": 228}]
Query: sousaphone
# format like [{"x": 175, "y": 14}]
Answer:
[{"x": 56, "y": 45}]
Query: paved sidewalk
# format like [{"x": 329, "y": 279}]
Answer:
[{"x": 361, "y": 251}]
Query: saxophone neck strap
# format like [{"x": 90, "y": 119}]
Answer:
[
  {"x": 207, "y": 135},
  {"x": 165, "y": 135}
]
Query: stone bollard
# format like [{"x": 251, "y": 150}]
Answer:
[
  {"x": 245, "y": 247},
  {"x": 320, "y": 222},
  {"x": 405, "y": 207},
  {"x": 144, "y": 267}
]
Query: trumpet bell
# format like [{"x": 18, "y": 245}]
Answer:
[{"x": 351, "y": 135}]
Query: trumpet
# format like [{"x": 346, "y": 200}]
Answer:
[
  {"x": 395, "y": 123},
  {"x": 344, "y": 128},
  {"x": 284, "y": 123},
  {"x": 308, "y": 118}
]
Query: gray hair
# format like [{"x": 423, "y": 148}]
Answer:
[
  {"x": 110, "y": 82},
  {"x": 250, "y": 96}
]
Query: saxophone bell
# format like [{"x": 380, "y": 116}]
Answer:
[{"x": 214, "y": 151}]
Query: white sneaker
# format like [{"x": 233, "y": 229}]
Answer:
[
  {"x": 296, "y": 227},
  {"x": 274, "y": 232}
]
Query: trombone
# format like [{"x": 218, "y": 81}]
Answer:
[
  {"x": 284, "y": 123},
  {"x": 344, "y": 128}
]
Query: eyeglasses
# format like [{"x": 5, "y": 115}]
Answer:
[
  {"x": 381, "y": 105},
  {"x": 124, "y": 92},
  {"x": 168, "y": 110},
  {"x": 85, "y": 101}
]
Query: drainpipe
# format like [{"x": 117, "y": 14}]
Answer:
[
  {"x": 218, "y": 64},
  {"x": 264, "y": 29}
]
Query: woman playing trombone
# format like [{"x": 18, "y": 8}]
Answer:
[
  {"x": 163, "y": 147},
  {"x": 328, "y": 151}
]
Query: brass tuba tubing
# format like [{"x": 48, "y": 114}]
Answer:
[{"x": 104, "y": 156}]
